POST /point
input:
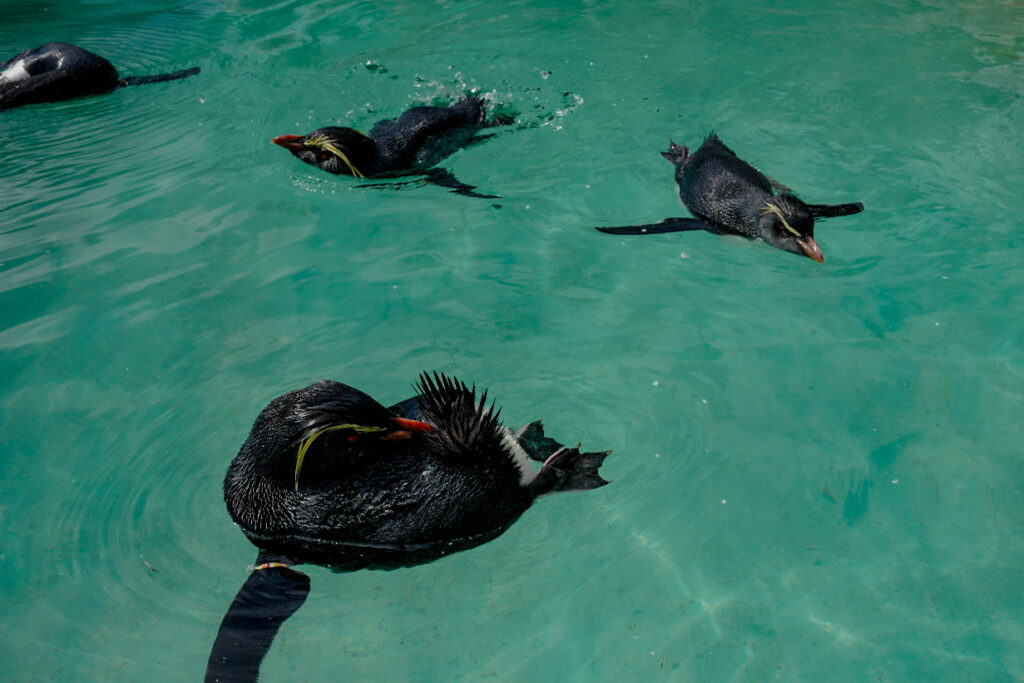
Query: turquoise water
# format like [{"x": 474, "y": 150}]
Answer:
[{"x": 817, "y": 468}]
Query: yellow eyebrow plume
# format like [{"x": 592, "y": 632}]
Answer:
[
  {"x": 308, "y": 441},
  {"x": 772, "y": 208},
  {"x": 323, "y": 143}
]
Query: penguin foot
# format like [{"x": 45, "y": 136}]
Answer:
[
  {"x": 570, "y": 470},
  {"x": 536, "y": 444}
]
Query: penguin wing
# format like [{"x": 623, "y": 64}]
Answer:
[
  {"x": 266, "y": 600},
  {"x": 833, "y": 210},
  {"x": 667, "y": 225},
  {"x": 158, "y": 78},
  {"x": 444, "y": 178}
]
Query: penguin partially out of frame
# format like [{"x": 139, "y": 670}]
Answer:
[
  {"x": 61, "y": 71},
  {"x": 329, "y": 476}
]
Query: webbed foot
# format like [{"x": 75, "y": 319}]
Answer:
[
  {"x": 569, "y": 470},
  {"x": 537, "y": 445}
]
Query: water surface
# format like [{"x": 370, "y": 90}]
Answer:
[{"x": 817, "y": 468}]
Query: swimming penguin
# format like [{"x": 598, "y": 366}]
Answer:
[
  {"x": 412, "y": 144},
  {"x": 60, "y": 71},
  {"x": 731, "y": 197},
  {"x": 329, "y": 476}
]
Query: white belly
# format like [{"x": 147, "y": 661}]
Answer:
[
  {"x": 15, "y": 72},
  {"x": 527, "y": 471}
]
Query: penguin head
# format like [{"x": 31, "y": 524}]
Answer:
[
  {"x": 355, "y": 422},
  {"x": 342, "y": 151},
  {"x": 340, "y": 420},
  {"x": 786, "y": 222}
]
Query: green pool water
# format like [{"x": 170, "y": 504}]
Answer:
[{"x": 817, "y": 469}]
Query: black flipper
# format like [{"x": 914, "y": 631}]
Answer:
[
  {"x": 536, "y": 444},
  {"x": 443, "y": 178},
  {"x": 569, "y": 470},
  {"x": 267, "y": 598},
  {"x": 437, "y": 176},
  {"x": 397, "y": 185},
  {"x": 833, "y": 210},
  {"x": 667, "y": 225},
  {"x": 158, "y": 78}
]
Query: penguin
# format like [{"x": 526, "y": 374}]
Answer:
[
  {"x": 61, "y": 71},
  {"x": 731, "y": 197},
  {"x": 412, "y": 144},
  {"x": 329, "y": 476}
]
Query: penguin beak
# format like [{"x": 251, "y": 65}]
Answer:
[
  {"x": 290, "y": 142},
  {"x": 811, "y": 248},
  {"x": 408, "y": 427},
  {"x": 415, "y": 425}
]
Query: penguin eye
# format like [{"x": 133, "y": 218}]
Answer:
[
  {"x": 787, "y": 230},
  {"x": 323, "y": 155}
]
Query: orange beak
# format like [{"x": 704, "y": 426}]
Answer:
[
  {"x": 290, "y": 142},
  {"x": 811, "y": 248},
  {"x": 409, "y": 426},
  {"x": 415, "y": 425}
]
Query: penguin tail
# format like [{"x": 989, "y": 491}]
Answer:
[
  {"x": 474, "y": 108},
  {"x": 677, "y": 154},
  {"x": 569, "y": 470},
  {"x": 158, "y": 78},
  {"x": 486, "y": 111}
]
